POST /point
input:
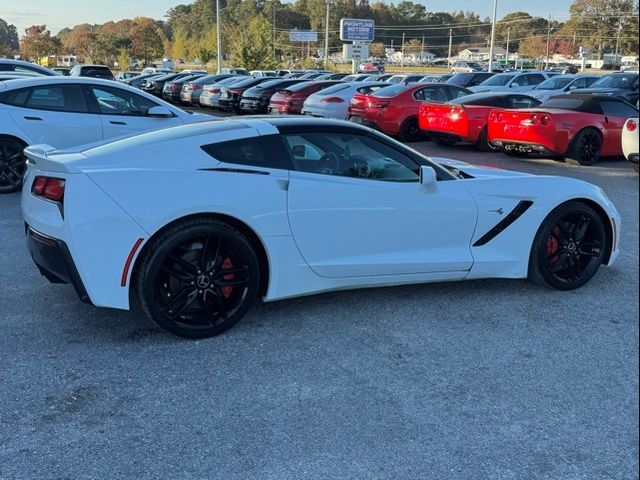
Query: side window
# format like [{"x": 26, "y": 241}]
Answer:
[
  {"x": 523, "y": 102},
  {"x": 15, "y": 97},
  {"x": 531, "y": 80},
  {"x": 265, "y": 152},
  {"x": 66, "y": 98},
  {"x": 114, "y": 101},
  {"x": 433, "y": 94},
  {"x": 350, "y": 155},
  {"x": 618, "y": 109},
  {"x": 369, "y": 89},
  {"x": 457, "y": 93},
  {"x": 579, "y": 83}
]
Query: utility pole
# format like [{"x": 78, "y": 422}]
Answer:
[
  {"x": 493, "y": 34},
  {"x": 422, "y": 50},
  {"x": 548, "y": 39},
  {"x": 402, "y": 60},
  {"x": 615, "y": 58},
  {"x": 506, "y": 55},
  {"x": 326, "y": 39},
  {"x": 273, "y": 6},
  {"x": 450, "y": 46},
  {"x": 218, "y": 36}
]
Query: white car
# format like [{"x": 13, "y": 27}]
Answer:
[
  {"x": 561, "y": 84},
  {"x": 333, "y": 102},
  {"x": 19, "y": 66},
  {"x": 513, "y": 81},
  {"x": 150, "y": 70},
  {"x": 70, "y": 111},
  {"x": 198, "y": 221},
  {"x": 263, "y": 73},
  {"x": 630, "y": 141}
]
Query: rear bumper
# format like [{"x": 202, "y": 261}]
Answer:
[
  {"x": 524, "y": 147},
  {"x": 53, "y": 259},
  {"x": 254, "y": 106}
]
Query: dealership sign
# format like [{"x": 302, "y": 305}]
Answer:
[
  {"x": 303, "y": 36},
  {"x": 355, "y": 29}
]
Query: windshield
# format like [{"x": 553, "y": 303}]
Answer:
[
  {"x": 334, "y": 89},
  {"x": 497, "y": 81},
  {"x": 474, "y": 65},
  {"x": 616, "y": 80},
  {"x": 460, "y": 79},
  {"x": 391, "y": 91},
  {"x": 555, "y": 83}
]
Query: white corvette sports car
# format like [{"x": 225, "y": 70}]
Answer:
[{"x": 198, "y": 221}]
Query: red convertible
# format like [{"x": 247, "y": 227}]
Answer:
[
  {"x": 465, "y": 119},
  {"x": 394, "y": 109},
  {"x": 580, "y": 128}
]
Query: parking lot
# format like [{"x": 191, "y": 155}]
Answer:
[{"x": 480, "y": 380}]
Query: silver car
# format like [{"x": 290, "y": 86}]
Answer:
[
  {"x": 562, "y": 84},
  {"x": 211, "y": 92}
]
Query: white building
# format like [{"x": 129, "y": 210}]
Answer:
[{"x": 481, "y": 54}]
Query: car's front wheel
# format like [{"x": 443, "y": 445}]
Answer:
[
  {"x": 569, "y": 247},
  {"x": 12, "y": 164},
  {"x": 198, "y": 278}
]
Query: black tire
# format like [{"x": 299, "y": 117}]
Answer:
[
  {"x": 483, "y": 144},
  {"x": 636, "y": 167},
  {"x": 198, "y": 278},
  {"x": 444, "y": 140},
  {"x": 410, "y": 130},
  {"x": 585, "y": 148},
  {"x": 12, "y": 164},
  {"x": 568, "y": 248}
]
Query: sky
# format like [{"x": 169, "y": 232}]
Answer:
[{"x": 57, "y": 14}]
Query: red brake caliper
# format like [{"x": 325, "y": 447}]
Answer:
[
  {"x": 552, "y": 250},
  {"x": 227, "y": 265}
]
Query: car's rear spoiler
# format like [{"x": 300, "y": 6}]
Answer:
[{"x": 51, "y": 159}]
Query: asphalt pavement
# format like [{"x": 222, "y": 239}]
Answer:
[{"x": 491, "y": 379}]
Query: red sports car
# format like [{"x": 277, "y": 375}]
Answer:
[
  {"x": 465, "y": 119},
  {"x": 394, "y": 109},
  {"x": 581, "y": 128},
  {"x": 290, "y": 100}
]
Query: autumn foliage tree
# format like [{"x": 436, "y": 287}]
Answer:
[
  {"x": 8, "y": 39},
  {"x": 38, "y": 42},
  {"x": 146, "y": 39}
]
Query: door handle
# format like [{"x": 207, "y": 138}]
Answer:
[
  {"x": 113, "y": 122},
  {"x": 33, "y": 118}
]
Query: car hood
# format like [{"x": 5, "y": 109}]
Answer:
[{"x": 477, "y": 171}]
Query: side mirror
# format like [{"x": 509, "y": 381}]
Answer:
[
  {"x": 299, "y": 150},
  {"x": 159, "y": 112},
  {"x": 428, "y": 178}
]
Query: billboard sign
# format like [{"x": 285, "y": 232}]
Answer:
[
  {"x": 303, "y": 36},
  {"x": 356, "y": 29}
]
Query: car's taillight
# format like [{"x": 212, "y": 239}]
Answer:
[
  {"x": 375, "y": 103},
  {"x": 332, "y": 100},
  {"x": 632, "y": 126},
  {"x": 196, "y": 87},
  {"x": 456, "y": 113},
  {"x": 49, "y": 188},
  {"x": 545, "y": 120},
  {"x": 175, "y": 87}
]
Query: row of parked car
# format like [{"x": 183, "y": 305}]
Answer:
[{"x": 580, "y": 117}]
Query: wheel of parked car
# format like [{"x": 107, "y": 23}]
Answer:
[
  {"x": 198, "y": 278},
  {"x": 585, "y": 148},
  {"x": 410, "y": 130},
  {"x": 569, "y": 247},
  {"x": 12, "y": 164},
  {"x": 443, "y": 140},
  {"x": 483, "y": 143}
]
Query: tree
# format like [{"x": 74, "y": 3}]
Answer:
[
  {"x": 519, "y": 26},
  {"x": 533, "y": 47},
  {"x": 124, "y": 61},
  {"x": 82, "y": 41},
  {"x": 413, "y": 46},
  {"x": 38, "y": 42},
  {"x": 146, "y": 39},
  {"x": 376, "y": 49},
  {"x": 8, "y": 38},
  {"x": 251, "y": 47}
]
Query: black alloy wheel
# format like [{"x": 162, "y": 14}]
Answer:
[
  {"x": 410, "y": 130},
  {"x": 585, "y": 148},
  {"x": 569, "y": 247},
  {"x": 198, "y": 279},
  {"x": 12, "y": 165}
]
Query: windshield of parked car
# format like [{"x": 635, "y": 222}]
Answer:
[
  {"x": 555, "y": 83},
  {"x": 391, "y": 91},
  {"x": 497, "y": 81},
  {"x": 616, "y": 80},
  {"x": 334, "y": 89},
  {"x": 460, "y": 79}
]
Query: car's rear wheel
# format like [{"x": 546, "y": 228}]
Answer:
[
  {"x": 483, "y": 143},
  {"x": 198, "y": 278},
  {"x": 12, "y": 164},
  {"x": 410, "y": 130},
  {"x": 585, "y": 148},
  {"x": 569, "y": 247}
]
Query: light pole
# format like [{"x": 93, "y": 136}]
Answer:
[
  {"x": 218, "y": 36},
  {"x": 548, "y": 40},
  {"x": 326, "y": 38},
  {"x": 506, "y": 55},
  {"x": 493, "y": 34},
  {"x": 450, "y": 46},
  {"x": 615, "y": 58}
]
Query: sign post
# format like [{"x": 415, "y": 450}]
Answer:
[
  {"x": 584, "y": 52},
  {"x": 358, "y": 31}
]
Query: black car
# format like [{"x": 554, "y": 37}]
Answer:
[
  {"x": 256, "y": 99},
  {"x": 92, "y": 71},
  {"x": 230, "y": 96},
  {"x": 619, "y": 84},
  {"x": 469, "y": 79},
  {"x": 156, "y": 85},
  {"x": 172, "y": 89}
]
